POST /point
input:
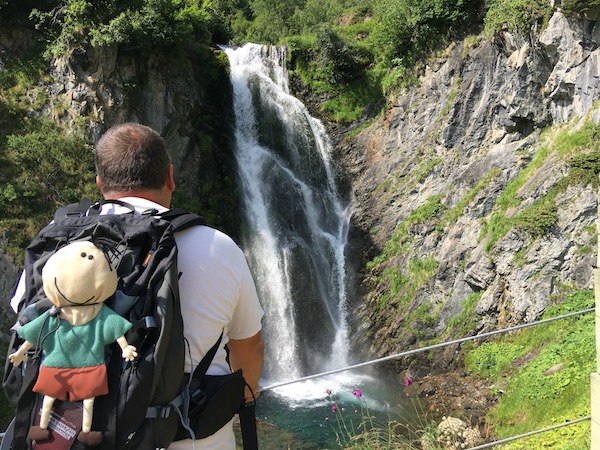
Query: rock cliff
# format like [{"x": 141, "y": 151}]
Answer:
[{"x": 472, "y": 150}]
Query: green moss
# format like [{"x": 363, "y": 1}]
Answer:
[
  {"x": 464, "y": 322},
  {"x": 538, "y": 218},
  {"x": 400, "y": 240},
  {"x": 457, "y": 211}
]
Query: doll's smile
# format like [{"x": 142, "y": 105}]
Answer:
[{"x": 65, "y": 297}]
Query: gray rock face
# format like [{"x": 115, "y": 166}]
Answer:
[
  {"x": 469, "y": 130},
  {"x": 106, "y": 87}
]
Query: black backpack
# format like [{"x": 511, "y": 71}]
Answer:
[{"x": 143, "y": 409}]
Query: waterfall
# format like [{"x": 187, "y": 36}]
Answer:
[{"x": 295, "y": 223}]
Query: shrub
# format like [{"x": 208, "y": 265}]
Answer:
[
  {"x": 45, "y": 169},
  {"x": 135, "y": 24},
  {"x": 516, "y": 16}
]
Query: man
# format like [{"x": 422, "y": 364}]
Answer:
[{"x": 216, "y": 288}]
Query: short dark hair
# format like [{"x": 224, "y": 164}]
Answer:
[{"x": 131, "y": 156}]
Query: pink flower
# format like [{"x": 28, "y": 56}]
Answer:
[
  {"x": 328, "y": 391},
  {"x": 343, "y": 409},
  {"x": 408, "y": 381},
  {"x": 334, "y": 408},
  {"x": 357, "y": 393}
]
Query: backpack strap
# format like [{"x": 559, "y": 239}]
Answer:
[
  {"x": 202, "y": 367},
  {"x": 181, "y": 219},
  {"x": 96, "y": 208},
  {"x": 73, "y": 210},
  {"x": 246, "y": 413},
  {"x": 86, "y": 207},
  {"x": 192, "y": 388},
  {"x": 8, "y": 436}
]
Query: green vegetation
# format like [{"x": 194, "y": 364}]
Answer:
[
  {"x": 358, "y": 427},
  {"x": 517, "y": 16},
  {"x": 41, "y": 165},
  {"x": 351, "y": 52},
  {"x": 463, "y": 323},
  {"x": 580, "y": 150},
  {"x": 579, "y": 6},
  {"x": 146, "y": 24},
  {"x": 46, "y": 168},
  {"x": 542, "y": 374},
  {"x": 457, "y": 211},
  {"x": 429, "y": 211}
]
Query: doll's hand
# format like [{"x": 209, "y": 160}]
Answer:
[
  {"x": 17, "y": 358},
  {"x": 129, "y": 353}
]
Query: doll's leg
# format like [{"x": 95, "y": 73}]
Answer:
[
  {"x": 46, "y": 408},
  {"x": 41, "y": 432},
  {"x": 86, "y": 436},
  {"x": 88, "y": 414}
]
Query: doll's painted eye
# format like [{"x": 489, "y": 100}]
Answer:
[{"x": 83, "y": 254}]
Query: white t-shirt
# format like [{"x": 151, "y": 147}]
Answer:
[{"x": 217, "y": 293}]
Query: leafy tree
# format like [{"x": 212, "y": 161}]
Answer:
[
  {"x": 69, "y": 24},
  {"x": 156, "y": 22},
  {"x": 341, "y": 60},
  {"x": 314, "y": 14},
  {"x": 272, "y": 19},
  {"x": 580, "y": 6},
  {"x": 516, "y": 16},
  {"x": 410, "y": 29}
]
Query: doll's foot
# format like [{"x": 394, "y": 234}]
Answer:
[
  {"x": 90, "y": 438},
  {"x": 37, "y": 433}
]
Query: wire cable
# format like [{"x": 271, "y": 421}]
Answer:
[
  {"x": 424, "y": 349},
  {"x": 531, "y": 433}
]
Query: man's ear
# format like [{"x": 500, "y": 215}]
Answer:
[
  {"x": 99, "y": 184},
  {"x": 170, "y": 178}
]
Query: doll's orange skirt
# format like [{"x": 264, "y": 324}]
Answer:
[{"x": 77, "y": 384}]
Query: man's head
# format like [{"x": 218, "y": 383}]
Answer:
[{"x": 131, "y": 159}]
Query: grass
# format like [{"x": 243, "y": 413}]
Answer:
[
  {"x": 534, "y": 398},
  {"x": 358, "y": 428}
]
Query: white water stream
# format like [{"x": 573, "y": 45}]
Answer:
[{"x": 295, "y": 224}]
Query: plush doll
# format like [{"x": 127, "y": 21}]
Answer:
[{"x": 77, "y": 279}]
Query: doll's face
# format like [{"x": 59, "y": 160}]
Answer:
[{"x": 78, "y": 274}]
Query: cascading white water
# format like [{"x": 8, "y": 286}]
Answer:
[{"x": 295, "y": 222}]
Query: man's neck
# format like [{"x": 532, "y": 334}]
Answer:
[{"x": 152, "y": 195}]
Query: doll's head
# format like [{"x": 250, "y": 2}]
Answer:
[{"x": 78, "y": 274}]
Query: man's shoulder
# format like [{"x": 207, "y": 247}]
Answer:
[{"x": 207, "y": 238}]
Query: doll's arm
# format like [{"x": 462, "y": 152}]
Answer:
[
  {"x": 129, "y": 351},
  {"x": 19, "y": 356}
]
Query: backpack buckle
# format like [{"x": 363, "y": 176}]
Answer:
[
  {"x": 198, "y": 397},
  {"x": 159, "y": 412}
]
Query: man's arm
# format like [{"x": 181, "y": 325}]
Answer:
[{"x": 247, "y": 354}]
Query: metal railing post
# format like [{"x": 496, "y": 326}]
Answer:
[{"x": 595, "y": 377}]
